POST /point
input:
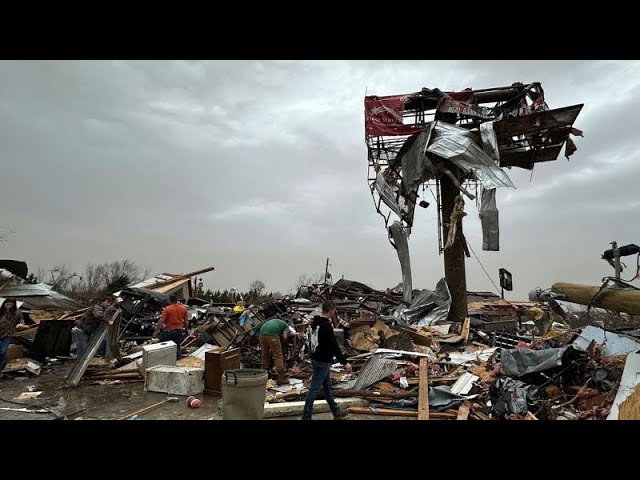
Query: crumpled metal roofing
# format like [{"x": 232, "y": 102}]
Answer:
[
  {"x": 376, "y": 369},
  {"x": 40, "y": 296},
  {"x": 427, "y": 307},
  {"x": 455, "y": 144}
]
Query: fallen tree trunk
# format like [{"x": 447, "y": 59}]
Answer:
[{"x": 615, "y": 299}]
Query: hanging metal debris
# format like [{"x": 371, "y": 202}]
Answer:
[{"x": 456, "y": 142}]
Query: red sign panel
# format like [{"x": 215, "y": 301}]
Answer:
[{"x": 383, "y": 116}]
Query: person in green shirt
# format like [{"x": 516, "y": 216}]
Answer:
[{"x": 270, "y": 345}]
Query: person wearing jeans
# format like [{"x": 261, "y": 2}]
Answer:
[
  {"x": 10, "y": 317},
  {"x": 89, "y": 323},
  {"x": 323, "y": 346},
  {"x": 173, "y": 324}
]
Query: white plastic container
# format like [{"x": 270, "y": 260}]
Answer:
[{"x": 175, "y": 380}]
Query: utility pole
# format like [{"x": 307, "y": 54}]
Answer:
[
  {"x": 616, "y": 259},
  {"x": 454, "y": 262},
  {"x": 326, "y": 272}
]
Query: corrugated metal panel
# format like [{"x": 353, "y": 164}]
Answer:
[
  {"x": 464, "y": 384},
  {"x": 27, "y": 290},
  {"x": 375, "y": 370},
  {"x": 458, "y": 358},
  {"x": 612, "y": 343},
  {"x": 40, "y": 296}
]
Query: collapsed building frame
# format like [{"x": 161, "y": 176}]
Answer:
[{"x": 451, "y": 142}]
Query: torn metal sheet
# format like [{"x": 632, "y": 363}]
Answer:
[
  {"x": 400, "y": 236},
  {"x": 628, "y": 382},
  {"x": 374, "y": 370},
  {"x": 26, "y": 410},
  {"x": 442, "y": 397},
  {"x": 612, "y": 343},
  {"x": 490, "y": 141},
  {"x": 521, "y": 361},
  {"x": 464, "y": 384},
  {"x": 457, "y": 358},
  {"x": 456, "y": 145},
  {"x": 388, "y": 196},
  {"x": 416, "y": 167},
  {"x": 489, "y": 220},
  {"x": 40, "y": 296},
  {"x": 348, "y": 385},
  {"x": 444, "y": 328},
  {"x": 397, "y": 353},
  {"x": 512, "y": 396},
  {"x": 428, "y": 306}
]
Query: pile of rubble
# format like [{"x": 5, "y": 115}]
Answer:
[
  {"x": 514, "y": 361},
  {"x": 507, "y": 360}
]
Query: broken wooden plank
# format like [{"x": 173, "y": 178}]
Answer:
[
  {"x": 75, "y": 375},
  {"x": 482, "y": 416},
  {"x": 423, "y": 391},
  {"x": 338, "y": 392},
  {"x": 466, "y": 326},
  {"x": 115, "y": 382},
  {"x": 114, "y": 376},
  {"x": 399, "y": 413},
  {"x": 23, "y": 364},
  {"x": 288, "y": 409},
  {"x": 463, "y": 412}
]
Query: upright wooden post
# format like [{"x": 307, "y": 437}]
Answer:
[{"x": 454, "y": 262}]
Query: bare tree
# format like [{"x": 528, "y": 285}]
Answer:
[
  {"x": 306, "y": 279},
  {"x": 257, "y": 286},
  {"x": 97, "y": 279},
  {"x": 94, "y": 277},
  {"x": 41, "y": 273},
  {"x": 61, "y": 278},
  {"x": 4, "y": 234}
]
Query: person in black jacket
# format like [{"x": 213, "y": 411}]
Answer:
[{"x": 323, "y": 346}]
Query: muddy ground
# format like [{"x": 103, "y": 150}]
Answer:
[{"x": 107, "y": 402}]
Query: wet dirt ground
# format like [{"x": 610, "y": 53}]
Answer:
[{"x": 107, "y": 402}]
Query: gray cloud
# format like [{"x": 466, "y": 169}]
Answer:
[{"x": 259, "y": 168}]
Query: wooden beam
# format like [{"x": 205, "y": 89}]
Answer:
[
  {"x": 76, "y": 373},
  {"x": 463, "y": 412},
  {"x": 466, "y": 326},
  {"x": 153, "y": 286},
  {"x": 530, "y": 416},
  {"x": 398, "y": 413},
  {"x": 615, "y": 299},
  {"x": 423, "y": 391},
  {"x": 338, "y": 392}
]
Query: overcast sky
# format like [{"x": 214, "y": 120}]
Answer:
[{"x": 259, "y": 168}]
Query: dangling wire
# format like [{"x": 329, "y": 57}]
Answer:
[
  {"x": 637, "y": 275},
  {"x": 485, "y": 271}
]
